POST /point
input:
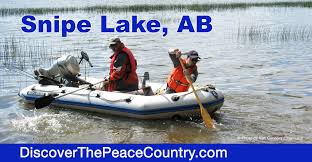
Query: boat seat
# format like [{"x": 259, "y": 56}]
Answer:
[{"x": 146, "y": 91}]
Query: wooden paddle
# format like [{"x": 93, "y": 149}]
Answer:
[
  {"x": 205, "y": 115},
  {"x": 47, "y": 100}
]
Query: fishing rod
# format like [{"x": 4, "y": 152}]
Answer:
[
  {"x": 41, "y": 79},
  {"x": 20, "y": 71}
]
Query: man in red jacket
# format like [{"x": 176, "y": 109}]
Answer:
[{"x": 122, "y": 74}]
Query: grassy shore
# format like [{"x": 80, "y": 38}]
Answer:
[{"x": 150, "y": 7}]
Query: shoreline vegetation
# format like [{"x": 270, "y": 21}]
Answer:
[
  {"x": 16, "y": 53},
  {"x": 157, "y": 7},
  {"x": 278, "y": 33},
  {"x": 19, "y": 54}
]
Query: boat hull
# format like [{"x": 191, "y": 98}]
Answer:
[{"x": 127, "y": 104}]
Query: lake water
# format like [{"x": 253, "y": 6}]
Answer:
[{"x": 258, "y": 57}]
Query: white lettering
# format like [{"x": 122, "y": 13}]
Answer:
[
  {"x": 81, "y": 151},
  {"x": 97, "y": 153},
  {"x": 68, "y": 153},
  {"x": 115, "y": 153},
  {"x": 192, "y": 154},
  {"x": 211, "y": 153},
  {"x": 60, "y": 153},
  {"x": 131, "y": 153},
  {"x": 145, "y": 152},
  {"x": 221, "y": 153},
  {"x": 44, "y": 153},
  {"x": 24, "y": 150},
  {"x": 36, "y": 153},
  {"x": 157, "y": 153},
  {"x": 123, "y": 153},
  {"x": 106, "y": 150},
  {"x": 139, "y": 153},
  {"x": 202, "y": 153}
]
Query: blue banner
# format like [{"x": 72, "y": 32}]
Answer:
[{"x": 153, "y": 152}]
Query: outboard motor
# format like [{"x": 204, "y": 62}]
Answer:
[{"x": 64, "y": 71}]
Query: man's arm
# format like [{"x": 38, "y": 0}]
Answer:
[
  {"x": 194, "y": 75},
  {"x": 119, "y": 69},
  {"x": 173, "y": 57}
]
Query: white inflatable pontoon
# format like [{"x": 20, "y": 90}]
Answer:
[{"x": 130, "y": 104}]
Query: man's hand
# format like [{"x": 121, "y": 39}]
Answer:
[
  {"x": 186, "y": 72},
  {"x": 106, "y": 79},
  {"x": 176, "y": 52}
]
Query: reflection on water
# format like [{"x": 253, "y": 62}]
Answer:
[{"x": 266, "y": 82}]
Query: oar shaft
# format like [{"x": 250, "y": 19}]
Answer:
[
  {"x": 188, "y": 77},
  {"x": 205, "y": 115},
  {"x": 197, "y": 97},
  {"x": 191, "y": 83},
  {"x": 191, "y": 92},
  {"x": 105, "y": 82}
]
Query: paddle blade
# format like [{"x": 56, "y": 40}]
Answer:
[
  {"x": 44, "y": 101},
  {"x": 206, "y": 118}
]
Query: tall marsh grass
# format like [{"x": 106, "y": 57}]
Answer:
[
  {"x": 18, "y": 54},
  {"x": 275, "y": 33},
  {"x": 155, "y": 7}
]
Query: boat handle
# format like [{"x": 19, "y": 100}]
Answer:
[{"x": 215, "y": 94}]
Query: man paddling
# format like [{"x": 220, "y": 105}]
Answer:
[
  {"x": 176, "y": 81},
  {"x": 122, "y": 74}
]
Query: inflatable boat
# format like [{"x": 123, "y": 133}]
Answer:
[{"x": 154, "y": 105}]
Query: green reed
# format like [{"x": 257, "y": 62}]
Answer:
[
  {"x": 21, "y": 54},
  {"x": 151, "y": 7},
  {"x": 276, "y": 33}
]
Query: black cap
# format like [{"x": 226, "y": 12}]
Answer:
[{"x": 193, "y": 54}]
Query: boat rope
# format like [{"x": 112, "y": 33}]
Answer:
[
  {"x": 128, "y": 99},
  {"x": 177, "y": 97},
  {"x": 48, "y": 92},
  {"x": 208, "y": 88},
  {"x": 161, "y": 90},
  {"x": 198, "y": 89}
]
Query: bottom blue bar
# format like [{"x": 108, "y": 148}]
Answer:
[{"x": 153, "y": 152}]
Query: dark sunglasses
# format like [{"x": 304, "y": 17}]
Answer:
[
  {"x": 112, "y": 46},
  {"x": 195, "y": 60}
]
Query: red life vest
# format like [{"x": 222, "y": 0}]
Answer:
[
  {"x": 177, "y": 80},
  {"x": 130, "y": 76},
  {"x": 130, "y": 56}
]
